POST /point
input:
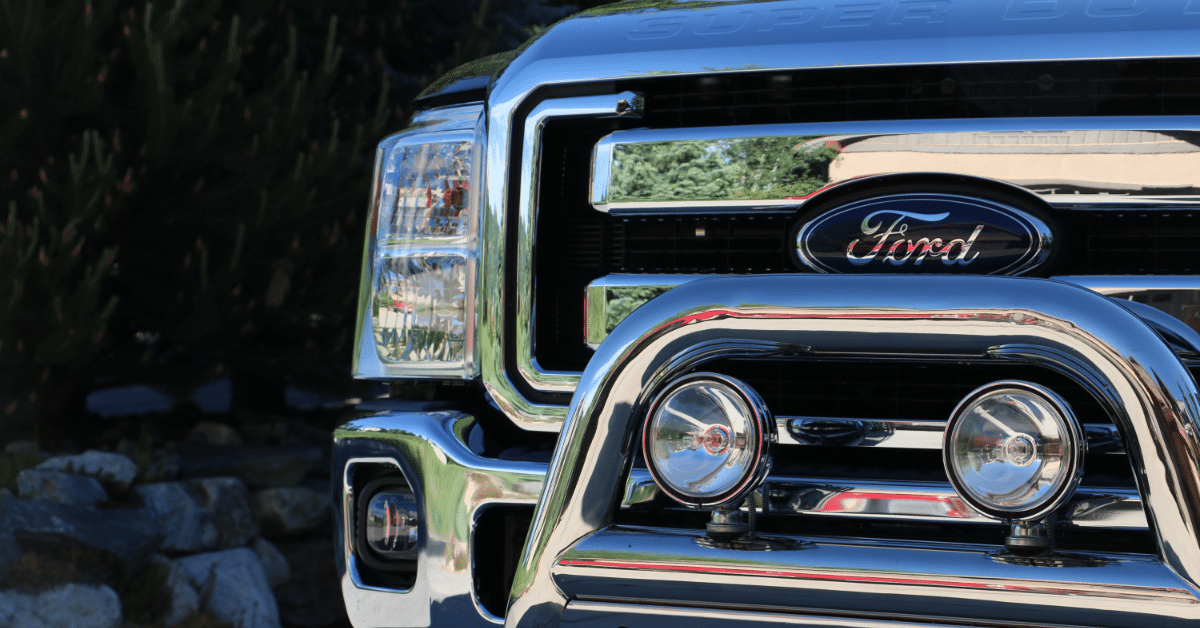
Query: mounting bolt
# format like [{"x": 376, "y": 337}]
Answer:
[
  {"x": 1030, "y": 538},
  {"x": 727, "y": 525}
]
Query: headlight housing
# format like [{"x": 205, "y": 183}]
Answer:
[
  {"x": 416, "y": 300},
  {"x": 1014, "y": 450}
]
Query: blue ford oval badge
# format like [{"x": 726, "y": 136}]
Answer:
[{"x": 924, "y": 233}]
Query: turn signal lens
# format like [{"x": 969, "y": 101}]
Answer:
[
  {"x": 708, "y": 440},
  {"x": 1014, "y": 450}
]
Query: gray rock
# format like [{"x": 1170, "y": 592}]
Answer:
[
  {"x": 184, "y": 598},
  {"x": 10, "y": 551},
  {"x": 234, "y": 585},
  {"x": 69, "y": 606},
  {"x": 290, "y": 510},
  {"x": 164, "y": 467},
  {"x": 60, "y": 487},
  {"x": 199, "y": 515},
  {"x": 107, "y": 466},
  {"x": 256, "y": 466},
  {"x": 273, "y": 562},
  {"x": 128, "y": 537},
  {"x": 212, "y": 433}
]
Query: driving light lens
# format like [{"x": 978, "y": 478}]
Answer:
[
  {"x": 708, "y": 440},
  {"x": 1013, "y": 450}
]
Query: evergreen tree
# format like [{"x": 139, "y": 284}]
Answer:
[{"x": 185, "y": 184}]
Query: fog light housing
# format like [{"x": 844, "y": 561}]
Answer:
[
  {"x": 1014, "y": 450},
  {"x": 389, "y": 525},
  {"x": 707, "y": 440}
]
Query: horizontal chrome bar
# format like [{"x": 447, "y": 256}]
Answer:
[
  {"x": 1114, "y": 161},
  {"x": 935, "y": 502},
  {"x": 1096, "y": 342},
  {"x": 611, "y": 298},
  {"x": 904, "y": 434},
  {"x": 605, "y": 614},
  {"x": 938, "y": 582}
]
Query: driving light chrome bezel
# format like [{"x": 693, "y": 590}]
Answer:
[
  {"x": 760, "y": 427},
  {"x": 1074, "y": 449}
]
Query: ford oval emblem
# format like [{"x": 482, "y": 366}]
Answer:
[{"x": 924, "y": 233}]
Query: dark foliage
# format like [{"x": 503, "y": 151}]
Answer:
[{"x": 184, "y": 184}]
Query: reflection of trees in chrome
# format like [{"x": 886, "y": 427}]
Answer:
[
  {"x": 420, "y": 312},
  {"x": 753, "y": 168}
]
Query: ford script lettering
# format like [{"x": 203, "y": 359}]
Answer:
[
  {"x": 922, "y": 247},
  {"x": 924, "y": 233}
]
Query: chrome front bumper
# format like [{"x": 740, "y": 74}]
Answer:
[{"x": 579, "y": 569}]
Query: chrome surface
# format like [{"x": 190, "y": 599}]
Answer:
[
  {"x": 1090, "y": 507},
  {"x": 502, "y": 391},
  {"x": 453, "y": 484},
  {"x": 1101, "y": 345},
  {"x": 602, "y": 614},
  {"x": 1013, "y": 242},
  {"x": 702, "y": 38},
  {"x": 905, "y": 433},
  {"x": 376, "y": 325},
  {"x": 717, "y": 481},
  {"x": 1067, "y": 162},
  {"x": 1025, "y": 454},
  {"x": 931, "y": 582},
  {"x": 613, "y": 297}
]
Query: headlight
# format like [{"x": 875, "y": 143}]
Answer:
[
  {"x": 707, "y": 440},
  {"x": 1014, "y": 450},
  {"x": 421, "y": 251}
]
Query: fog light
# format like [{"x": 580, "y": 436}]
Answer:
[
  {"x": 708, "y": 440},
  {"x": 388, "y": 526},
  {"x": 1014, "y": 450}
]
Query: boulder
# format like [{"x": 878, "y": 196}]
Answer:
[
  {"x": 184, "y": 598},
  {"x": 163, "y": 467},
  {"x": 290, "y": 510},
  {"x": 109, "y": 467},
  {"x": 128, "y": 537},
  {"x": 256, "y": 466},
  {"x": 234, "y": 585},
  {"x": 69, "y": 606},
  {"x": 10, "y": 550},
  {"x": 200, "y": 515},
  {"x": 274, "y": 564},
  {"x": 60, "y": 487},
  {"x": 212, "y": 433}
]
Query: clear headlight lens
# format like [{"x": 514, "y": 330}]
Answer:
[
  {"x": 422, "y": 249},
  {"x": 1014, "y": 450},
  {"x": 708, "y": 440}
]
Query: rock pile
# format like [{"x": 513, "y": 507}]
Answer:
[{"x": 213, "y": 526}]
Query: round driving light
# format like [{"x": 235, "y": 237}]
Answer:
[
  {"x": 1013, "y": 450},
  {"x": 707, "y": 440}
]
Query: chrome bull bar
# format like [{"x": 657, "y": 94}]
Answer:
[{"x": 1095, "y": 341}]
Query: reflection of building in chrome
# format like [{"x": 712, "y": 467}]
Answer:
[{"x": 1050, "y": 162}]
